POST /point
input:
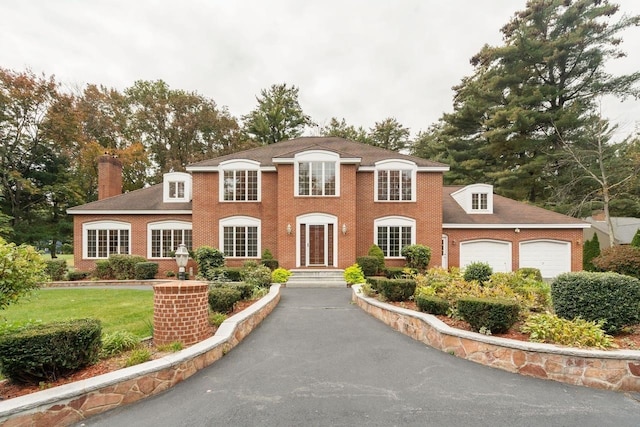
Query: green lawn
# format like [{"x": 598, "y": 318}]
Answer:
[
  {"x": 67, "y": 257},
  {"x": 117, "y": 309}
]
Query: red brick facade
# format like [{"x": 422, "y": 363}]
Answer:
[
  {"x": 330, "y": 230},
  {"x": 570, "y": 235}
]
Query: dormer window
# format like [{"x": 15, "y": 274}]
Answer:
[
  {"x": 479, "y": 201},
  {"x": 176, "y": 187},
  {"x": 475, "y": 198},
  {"x": 395, "y": 181}
]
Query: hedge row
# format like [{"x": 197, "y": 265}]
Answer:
[
  {"x": 611, "y": 297},
  {"x": 45, "y": 352}
]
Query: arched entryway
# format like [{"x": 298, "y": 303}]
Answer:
[{"x": 316, "y": 240}]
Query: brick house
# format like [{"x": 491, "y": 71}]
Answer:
[{"x": 318, "y": 202}]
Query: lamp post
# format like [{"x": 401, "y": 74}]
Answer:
[{"x": 182, "y": 257}]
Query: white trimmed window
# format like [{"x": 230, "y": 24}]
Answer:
[
  {"x": 176, "y": 187},
  {"x": 394, "y": 233},
  {"x": 395, "y": 181},
  {"x": 240, "y": 185},
  {"x": 104, "y": 238},
  {"x": 317, "y": 174},
  {"x": 164, "y": 238},
  {"x": 240, "y": 181},
  {"x": 240, "y": 237},
  {"x": 479, "y": 201}
]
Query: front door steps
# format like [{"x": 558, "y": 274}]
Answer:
[{"x": 316, "y": 278}]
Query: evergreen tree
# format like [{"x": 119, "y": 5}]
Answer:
[
  {"x": 277, "y": 117},
  {"x": 544, "y": 81},
  {"x": 590, "y": 250},
  {"x": 635, "y": 242}
]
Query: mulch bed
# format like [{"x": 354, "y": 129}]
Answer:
[
  {"x": 9, "y": 390},
  {"x": 630, "y": 340}
]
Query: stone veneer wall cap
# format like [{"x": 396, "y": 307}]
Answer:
[
  {"x": 69, "y": 391},
  {"x": 443, "y": 328}
]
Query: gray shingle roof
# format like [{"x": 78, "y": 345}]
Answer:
[
  {"x": 145, "y": 199},
  {"x": 368, "y": 154},
  {"x": 505, "y": 211}
]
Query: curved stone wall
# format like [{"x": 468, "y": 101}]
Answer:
[
  {"x": 71, "y": 403},
  {"x": 611, "y": 370}
]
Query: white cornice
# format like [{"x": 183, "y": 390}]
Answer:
[
  {"x": 131, "y": 212},
  {"x": 514, "y": 226},
  {"x": 217, "y": 168}
]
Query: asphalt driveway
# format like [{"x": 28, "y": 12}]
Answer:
[{"x": 318, "y": 360}]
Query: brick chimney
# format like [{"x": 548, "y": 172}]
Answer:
[{"x": 109, "y": 176}]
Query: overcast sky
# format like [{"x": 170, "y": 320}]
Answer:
[{"x": 360, "y": 60}]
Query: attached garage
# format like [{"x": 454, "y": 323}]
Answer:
[
  {"x": 494, "y": 252},
  {"x": 551, "y": 257}
]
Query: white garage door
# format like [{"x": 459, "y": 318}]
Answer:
[
  {"x": 551, "y": 257},
  {"x": 496, "y": 254}
]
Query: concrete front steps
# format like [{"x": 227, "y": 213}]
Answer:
[{"x": 317, "y": 278}]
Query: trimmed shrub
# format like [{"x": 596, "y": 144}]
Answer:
[
  {"x": 375, "y": 251},
  {"x": 118, "y": 342},
  {"x": 395, "y": 272},
  {"x": 46, "y": 352},
  {"x": 103, "y": 269},
  {"x": 417, "y": 256},
  {"x": 619, "y": 259},
  {"x": 268, "y": 261},
  {"x": 590, "y": 250},
  {"x": 246, "y": 289},
  {"x": 208, "y": 258},
  {"x": 353, "y": 275},
  {"x": 56, "y": 269},
  {"x": 432, "y": 304},
  {"x": 146, "y": 270},
  {"x": 374, "y": 282},
  {"x": 549, "y": 328},
  {"x": 77, "y": 275},
  {"x": 397, "y": 289},
  {"x": 223, "y": 298},
  {"x": 280, "y": 275},
  {"x": 611, "y": 297},
  {"x": 271, "y": 264},
  {"x": 123, "y": 267},
  {"x": 635, "y": 242},
  {"x": 256, "y": 275},
  {"x": 494, "y": 315},
  {"x": 370, "y": 265},
  {"x": 478, "y": 271},
  {"x": 530, "y": 273}
]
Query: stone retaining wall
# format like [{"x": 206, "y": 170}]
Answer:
[
  {"x": 611, "y": 370},
  {"x": 71, "y": 403}
]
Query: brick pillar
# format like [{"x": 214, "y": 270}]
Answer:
[{"x": 180, "y": 312}]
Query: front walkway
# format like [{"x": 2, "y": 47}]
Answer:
[{"x": 320, "y": 360}]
